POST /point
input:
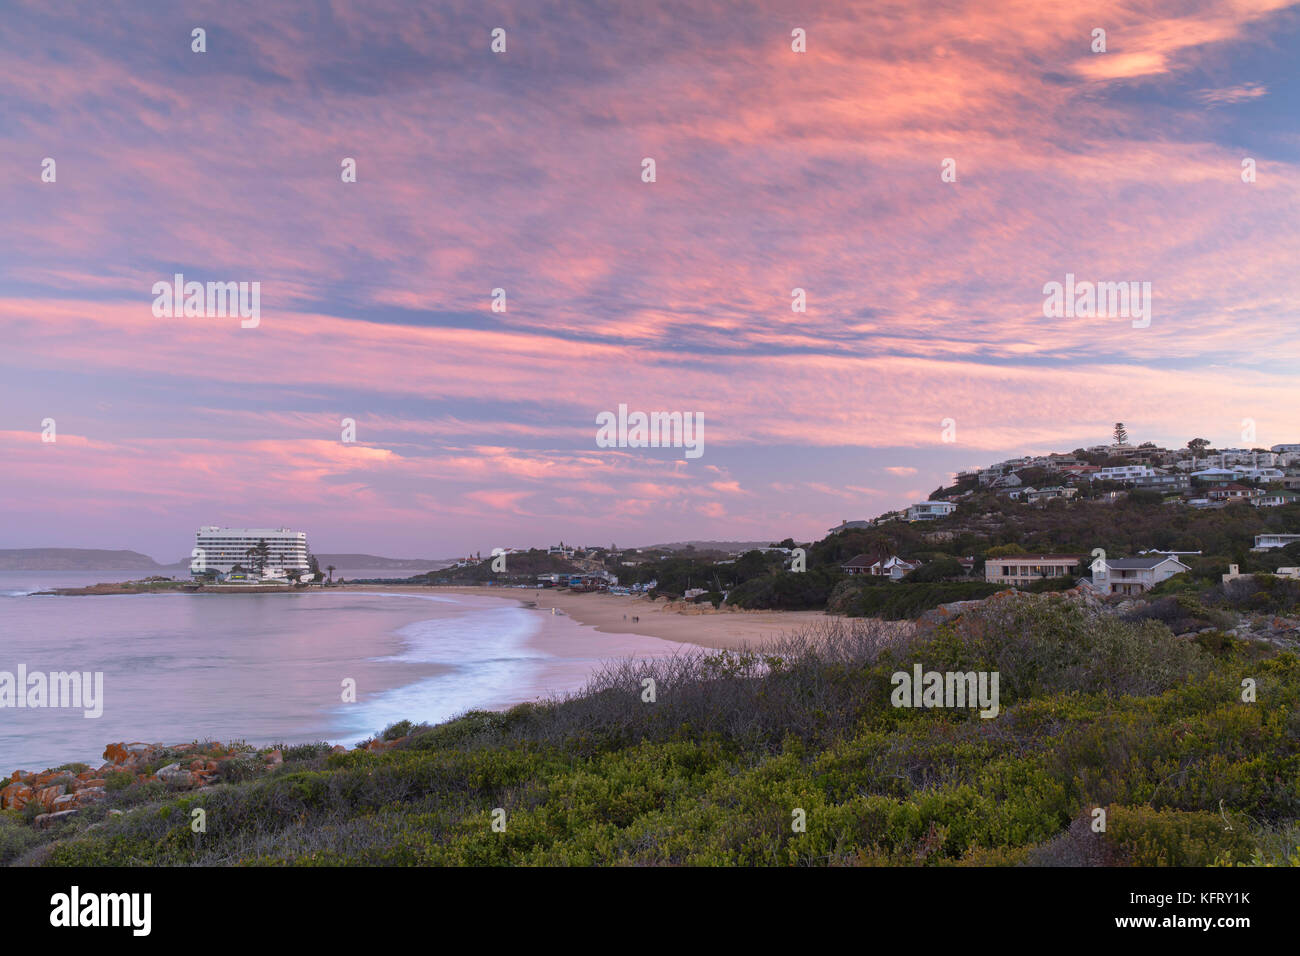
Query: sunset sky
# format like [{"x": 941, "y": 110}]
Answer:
[{"x": 523, "y": 171}]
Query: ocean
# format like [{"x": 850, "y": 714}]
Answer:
[{"x": 270, "y": 668}]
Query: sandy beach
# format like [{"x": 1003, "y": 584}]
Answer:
[{"x": 629, "y": 614}]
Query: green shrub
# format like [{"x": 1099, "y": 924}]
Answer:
[
  {"x": 393, "y": 731},
  {"x": 893, "y": 601},
  {"x": 118, "y": 780},
  {"x": 1147, "y": 837},
  {"x": 1097, "y": 712},
  {"x": 299, "y": 752}
]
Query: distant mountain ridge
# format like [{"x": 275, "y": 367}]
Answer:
[
  {"x": 75, "y": 559},
  {"x": 98, "y": 559}
]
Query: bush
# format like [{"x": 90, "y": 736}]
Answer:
[
  {"x": 895, "y": 601},
  {"x": 1259, "y": 594},
  {"x": 1096, "y": 712},
  {"x": 940, "y": 569},
  {"x": 1147, "y": 837},
  {"x": 393, "y": 731},
  {"x": 16, "y": 836},
  {"x": 118, "y": 780},
  {"x": 1181, "y": 612},
  {"x": 786, "y": 591},
  {"x": 236, "y": 769},
  {"x": 299, "y": 752}
]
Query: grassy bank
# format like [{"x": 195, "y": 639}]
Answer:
[{"x": 1095, "y": 713}]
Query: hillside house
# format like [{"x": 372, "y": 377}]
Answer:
[
  {"x": 1035, "y": 496},
  {"x": 1232, "y": 492},
  {"x": 1275, "y": 499},
  {"x": 930, "y": 510},
  {"x": 1134, "y": 575},
  {"x": 1017, "y": 569},
  {"x": 893, "y": 568},
  {"x": 1124, "y": 473}
]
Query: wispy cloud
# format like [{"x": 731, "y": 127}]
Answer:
[{"x": 776, "y": 170}]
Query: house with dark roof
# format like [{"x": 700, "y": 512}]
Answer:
[
  {"x": 847, "y": 525},
  {"x": 1134, "y": 575},
  {"x": 1231, "y": 491},
  {"x": 892, "y": 567}
]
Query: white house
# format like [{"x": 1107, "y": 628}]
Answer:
[
  {"x": 929, "y": 510},
  {"x": 1029, "y": 568},
  {"x": 1265, "y": 541},
  {"x": 1218, "y": 474},
  {"x": 1276, "y": 499},
  {"x": 1046, "y": 494},
  {"x": 893, "y": 568},
  {"x": 1124, "y": 473},
  {"x": 1134, "y": 575}
]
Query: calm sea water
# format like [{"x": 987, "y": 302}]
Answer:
[{"x": 268, "y": 668}]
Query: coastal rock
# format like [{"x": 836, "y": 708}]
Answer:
[
  {"x": 15, "y": 796},
  {"x": 90, "y": 795},
  {"x": 46, "y": 796},
  {"x": 44, "y": 821},
  {"x": 60, "y": 793},
  {"x": 175, "y": 777}
]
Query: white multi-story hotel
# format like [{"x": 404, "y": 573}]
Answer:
[{"x": 220, "y": 549}]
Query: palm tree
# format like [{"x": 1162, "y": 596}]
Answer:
[{"x": 330, "y": 569}]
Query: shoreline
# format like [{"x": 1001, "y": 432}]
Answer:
[
  {"x": 614, "y": 613},
  {"x": 676, "y": 621}
]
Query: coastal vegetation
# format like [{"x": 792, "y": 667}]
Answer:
[
  {"x": 1098, "y": 713},
  {"x": 985, "y": 525}
]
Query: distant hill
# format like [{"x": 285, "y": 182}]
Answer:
[
  {"x": 96, "y": 559},
  {"x": 373, "y": 562},
  {"x": 76, "y": 559},
  {"x": 520, "y": 566},
  {"x": 727, "y": 546}
]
